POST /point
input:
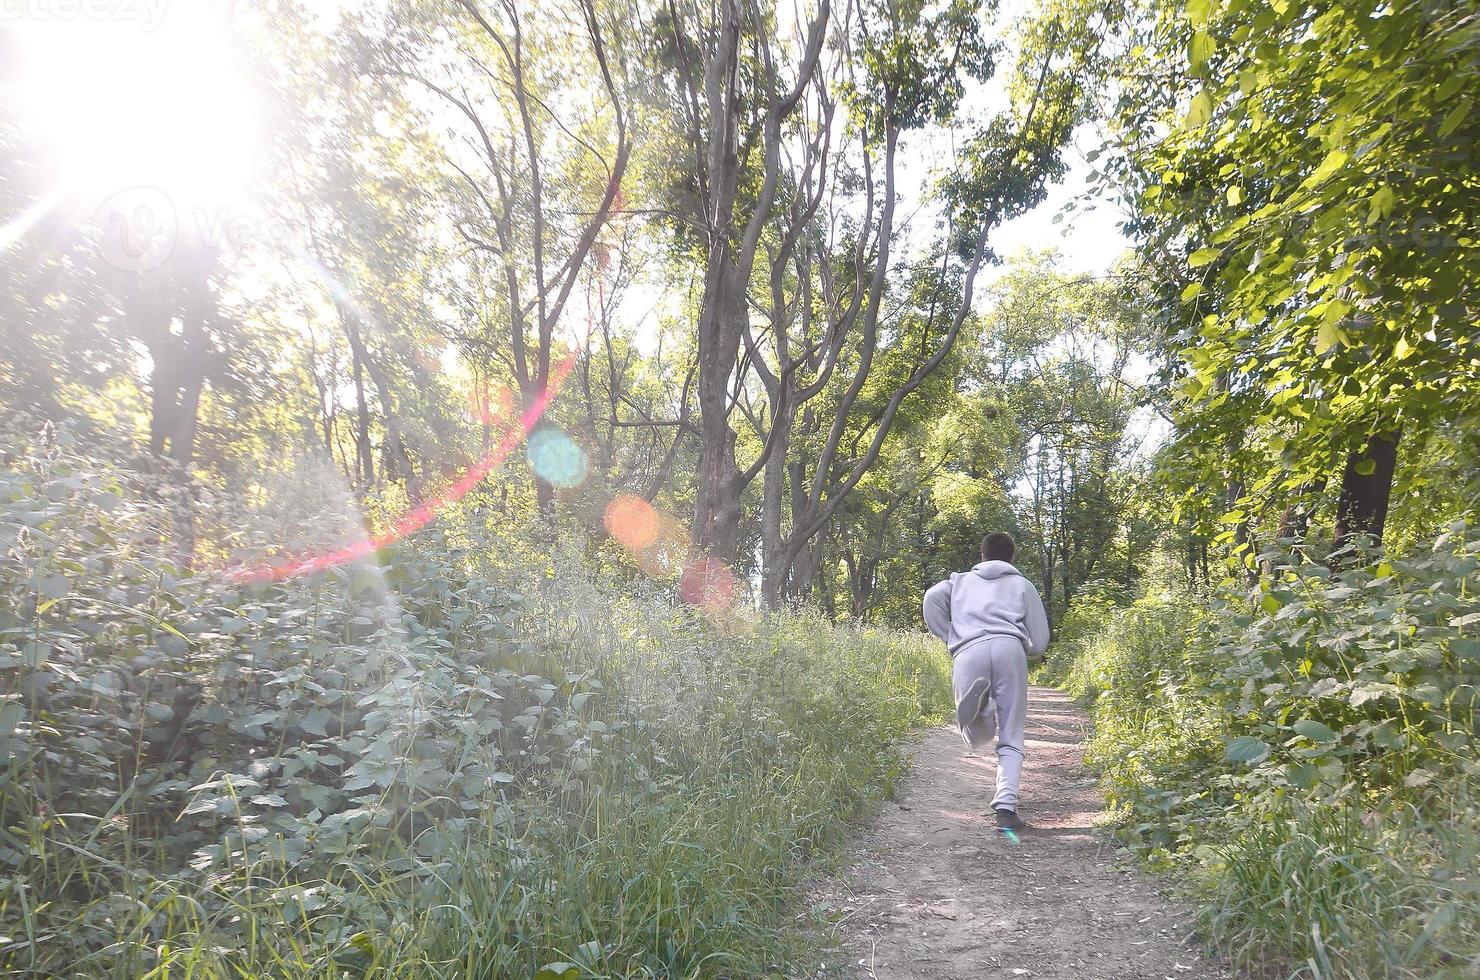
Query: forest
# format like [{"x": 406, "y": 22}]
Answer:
[{"x": 469, "y": 469}]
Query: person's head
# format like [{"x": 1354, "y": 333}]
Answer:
[{"x": 998, "y": 546}]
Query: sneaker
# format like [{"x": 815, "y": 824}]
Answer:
[
  {"x": 973, "y": 702},
  {"x": 1009, "y": 820}
]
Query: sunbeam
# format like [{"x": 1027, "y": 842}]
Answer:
[{"x": 17, "y": 228}]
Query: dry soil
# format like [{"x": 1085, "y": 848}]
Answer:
[{"x": 933, "y": 890}]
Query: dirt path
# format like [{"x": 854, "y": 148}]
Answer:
[{"x": 934, "y": 890}]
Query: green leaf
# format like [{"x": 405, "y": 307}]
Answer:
[
  {"x": 558, "y": 971},
  {"x": 366, "y": 580},
  {"x": 1333, "y": 162},
  {"x": 1235, "y": 195},
  {"x": 1329, "y": 335},
  {"x": 1203, "y": 256},
  {"x": 1380, "y": 204},
  {"x": 1199, "y": 112},
  {"x": 1441, "y": 919},
  {"x": 1247, "y": 748},
  {"x": 55, "y": 586},
  {"x": 1366, "y": 467},
  {"x": 1192, "y": 292},
  {"x": 1302, "y": 774},
  {"x": 11, "y": 715},
  {"x": 1455, "y": 118},
  {"x": 1371, "y": 692},
  {"x": 35, "y": 654},
  {"x": 1314, "y": 730},
  {"x": 1200, "y": 49}
]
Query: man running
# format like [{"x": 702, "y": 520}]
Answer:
[{"x": 992, "y": 620}]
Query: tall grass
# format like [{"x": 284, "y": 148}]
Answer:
[{"x": 1329, "y": 891}]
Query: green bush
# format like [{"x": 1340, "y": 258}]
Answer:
[
  {"x": 454, "y": 760},
  {"x": 1305, "y": 753}
]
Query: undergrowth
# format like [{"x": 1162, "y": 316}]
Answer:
[
  {"x": 472, "y": 756},
  {"x": 1304, "y": 757}
]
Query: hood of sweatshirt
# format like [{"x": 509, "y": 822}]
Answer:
[{"x": 995, "y": 569}]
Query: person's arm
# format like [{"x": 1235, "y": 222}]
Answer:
[
  {"x": 938, "y": 609},
  {"x": 1036, "y": 621}
]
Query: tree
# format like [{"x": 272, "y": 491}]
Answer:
[
  {"x": 733, "y": 103},
  {"x": 538, "y": 182},
  {"x": 1305, "y": 180},
  {"x": 824, "y": 215}
]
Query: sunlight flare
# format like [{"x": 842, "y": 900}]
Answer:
[
  {"x": 17, "y": 228},
  {"x": 119, "y": 105}
]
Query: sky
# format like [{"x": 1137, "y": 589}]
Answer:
[{"x": 1089, "y": 239}]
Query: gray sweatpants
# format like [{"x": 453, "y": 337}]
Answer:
[{"x": 1003, "y": 664}]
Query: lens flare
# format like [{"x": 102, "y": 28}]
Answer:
[
  {"x": 556, "y": 458},
  {"x": 708, "y": 584},
  {"x": 492, "y": 407},
  {"x": 633, "y": 522},
  {"x": 664, "y": 557},
  {"x": 428, "y": 510}
]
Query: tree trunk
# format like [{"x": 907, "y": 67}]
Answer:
[
  {"x": 544, "y": 495},
  {"x": 1295, "y": 520},
  {"x": 1047, "y": 593},
  {"x": 151, "y": 305},
  {"x": 802, "y": 574},
  {"x": 717, "y": 503},
  {"x": 148, "y": 310},
  {"x": 827, "y": 600},
  {"x": 191, "y": 375},
  {"x": 398, "y": 460},
  {"x": 733, "y": 240},
  {"x": 1366, "y": 487},
  {"x": 773, "y": 578},
  {"x": 774, "y": 571},
  {"x": 364, "y": 449},
  {"x": 864, "y": 579}
]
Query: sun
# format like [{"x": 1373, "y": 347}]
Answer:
[{"x": 120, "y": 103}]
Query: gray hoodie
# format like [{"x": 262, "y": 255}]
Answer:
[{"x": 993, "y": 599}]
